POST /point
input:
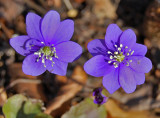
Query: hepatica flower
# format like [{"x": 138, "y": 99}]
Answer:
[
  {"x": 47, "y": 45},
  {"x": 119, "y": 59},
  {"x": 99, "y": 97}
]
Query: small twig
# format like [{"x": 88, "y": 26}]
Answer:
[
  {"x": 68, "y": 4},
  {"x": 6, "y": 30},
  {"x": 35, "y": 6}
]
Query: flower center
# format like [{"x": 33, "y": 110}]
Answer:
[
  {"x": 120, "y": 55},
  {"x": 46, "y": 50},
  {"x": 46, "y": 53}
]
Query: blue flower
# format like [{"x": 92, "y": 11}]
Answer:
[
  {"x": 47, "y": 45},
  {"x": 99, "y": 97},
  {"x": 119, "y": 59}
]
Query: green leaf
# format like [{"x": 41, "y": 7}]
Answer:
[
  {"x": 13, "y": 106},
  {"x": 42, "y": 115},
  {"x": 86, "y": 109},
  {"x": 18, "y": 106}
]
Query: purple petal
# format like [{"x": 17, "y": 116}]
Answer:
[
  {"x": 139, "y": 49},
  {"x": 32, "y": 67},
  {"x": 68, "y": 51},
  {"x": 18, "y": 43},
  {"x": 97, "y": 47},
  {"x": 59, "y": 67},
  {"x": 49, "y": 25},
  {"x": 140, "y": 64},
  {"x": 33, "y": 26},
  {"x": 126, "y": 79},
  {"x": 64, "y": 32},
  {"x": 139, "y": 78},
  {"x": 111, "y": 82},
  {"x": 112, "y": 36},
  {"x": 33, "y": 45},
  {"x": 128, "y": 38},
  {"x": 97, "y": 66}
]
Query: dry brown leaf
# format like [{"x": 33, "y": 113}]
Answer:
[
  {"x": 8, "y": 32},
  {"x": 115, "y": 111},
  {"x": 1, "y": 116},
  {"x": 79, "y": 74},
  {"x": 20, "y": 24},
  {"x": 15, "y": 71},
  {"x": 10, "y": 9},
  {"x": 56, "y": 3},
  {"x": 104, "y": 8},
  {"x": 80, "y": 1},
  {"x": 67, "y": 92},
  {"x": 32, "y": 88},
  {"x": 3, "y": 96},
  {"x": 61, "y": 79}
]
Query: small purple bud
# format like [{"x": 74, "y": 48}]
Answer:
[{"x": 99, "y": 97}]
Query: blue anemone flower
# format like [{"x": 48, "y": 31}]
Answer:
[
  {"x": 47, "y": 45},
  {"x": 119, "y": 59}
]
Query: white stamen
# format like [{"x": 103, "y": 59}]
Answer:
[
  {"x": 132, "y": 52},
  {"x": 43, "y": 55},
  {"x": 50, "y": 58},
  {"x": 126, "y": 47},
  {"x": 38, "y": 59},
  {"x": 115, "y": 46},
  {"x": 121, "y": 45},
  {"x": 129, "y": 50},
  {"x": 36, "y": 53},
  {"x": 53, "y": 63},
  {"x": 130, "y": 60},
  {"x": 127, "y": 64},
  {"x": 55, "y": 56},
  {"x": 42, "y": 42},
  {"x": 109, "y": 62},
  {"x": 119, "y": 49},
  {"x": 115, "y": 64},
  {"x": 127, "y": 54},
  {"x": 43, "y": 60},
  {"x": 111, "y": 57},
  {"x": 109, "y": 52},
  {"x": 44, "y": 65},
  {"x": 116, "y": 53},
  {"x": 39, "y": 54}
]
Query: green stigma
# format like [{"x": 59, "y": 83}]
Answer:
[
  {"x": 120, "y": 57},
  {"x": 47, "y": 50}
]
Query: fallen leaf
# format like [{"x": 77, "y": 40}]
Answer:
[
  {"x": 79, "y": 74},
  {"x": 1, "y": 116},
  {"x": 32, "y": 88},
  {"x": 116, "y": 112},
  {"x": 10, "y": 9},
  {"x": 15, "y": 71},
  {"x": 62, "y": 80},
  {"x": 3, "y": 96},
  {"x": 67, "y": 92},
  {"x": 104, "y": 8},
  {"x": 80, "y": 1}
]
